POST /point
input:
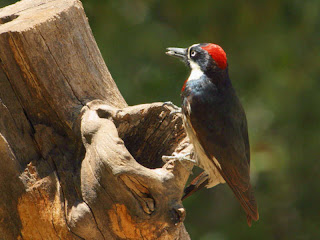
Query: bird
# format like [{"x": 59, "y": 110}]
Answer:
[{"x": 216, "y": 124}]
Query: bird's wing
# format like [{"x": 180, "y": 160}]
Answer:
[{"x": 223, "y": 135}]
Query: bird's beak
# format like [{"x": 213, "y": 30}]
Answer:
[{"x": 177, "y": 52}]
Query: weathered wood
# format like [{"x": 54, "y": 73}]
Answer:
[{"x": 72, "y": 167}]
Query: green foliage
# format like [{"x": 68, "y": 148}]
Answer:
[
  {"x": 273, "y": 53},
  {"x": 4, "y": 3}
]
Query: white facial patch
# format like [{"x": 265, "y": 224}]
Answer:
[
  {"x": 192, "y": 47},
  {"x": 196, "y": 72}
]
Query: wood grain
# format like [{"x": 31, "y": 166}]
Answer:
[{"x": 71, "y": 166}]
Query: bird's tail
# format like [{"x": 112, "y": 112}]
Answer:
[
  {"x": 246, "y": 199},
  {"x": 248, "y": 203},
  {"x": 196, "y": 184}
]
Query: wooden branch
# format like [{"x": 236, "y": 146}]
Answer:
[{"x": 72, "y": 167}]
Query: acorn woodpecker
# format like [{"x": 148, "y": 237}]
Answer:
[{"x": 216, "y": 124}]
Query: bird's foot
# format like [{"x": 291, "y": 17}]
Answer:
[
  {"x": 176, "y": 108},
  {"x": 179, "y": 157}
]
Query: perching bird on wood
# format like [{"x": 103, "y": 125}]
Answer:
[{"x": 216, "y": 124}]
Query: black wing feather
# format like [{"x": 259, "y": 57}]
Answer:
[{"x": 221, "y": 129}]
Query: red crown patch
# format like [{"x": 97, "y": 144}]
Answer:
[{"x": 217, "y": 53}]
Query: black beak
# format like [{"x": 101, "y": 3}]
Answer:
[{"x": 177, "y": 52}]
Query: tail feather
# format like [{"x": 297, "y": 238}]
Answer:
[
  {"x": 248, "y": 203},
  {"x": 249, "y": 220},
  {"x": 246, "y": 199},
  {"x": 196, "y": 184}
]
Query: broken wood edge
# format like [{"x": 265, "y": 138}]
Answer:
[{"x": 152, "y": 196}]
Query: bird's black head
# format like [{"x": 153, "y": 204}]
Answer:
[{"x": 208, "y": 58}]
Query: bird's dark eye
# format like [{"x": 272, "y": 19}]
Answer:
[{"x": 193, "y": 53}]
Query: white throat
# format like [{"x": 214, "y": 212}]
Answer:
[{"x": 196, "y": 72}]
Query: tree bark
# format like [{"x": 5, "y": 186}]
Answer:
[{"x": 71, "y": 166}]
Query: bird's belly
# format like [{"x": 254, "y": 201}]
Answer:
[{"x": 202, "y": 159}]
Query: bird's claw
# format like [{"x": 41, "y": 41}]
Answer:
[
  {"x": 176, "y": 110},
  {"x": 169, "y": 103},
  {"x": 179, "y": 157}
]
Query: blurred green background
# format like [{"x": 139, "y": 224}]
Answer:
[{"x": 273, "y": 52}]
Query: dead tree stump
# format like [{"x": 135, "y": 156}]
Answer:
[{"x": 72, "y": 167}]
